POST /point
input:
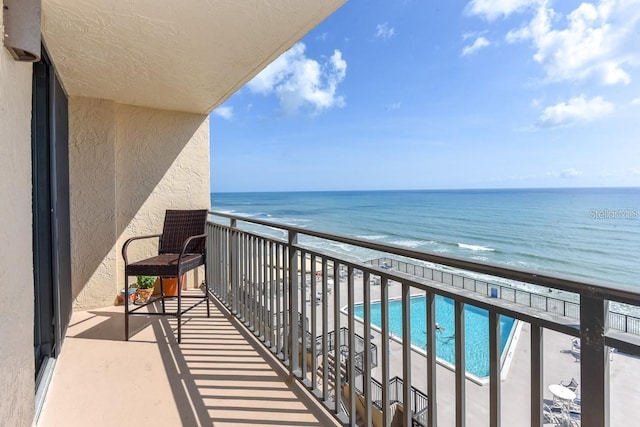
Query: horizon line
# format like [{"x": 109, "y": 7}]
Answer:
[{"x": 429, "y": 189}]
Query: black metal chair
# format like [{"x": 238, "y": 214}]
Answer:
[{"x": 181, "y": 248}]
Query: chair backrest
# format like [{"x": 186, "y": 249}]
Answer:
[
  {"x": 179, "y": 225},
  {"x": 573, "y": 385}
]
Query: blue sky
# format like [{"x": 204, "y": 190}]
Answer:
[{"x": 422, "y": 94}]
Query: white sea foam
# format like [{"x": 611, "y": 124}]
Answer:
[
  {"x": 441, "y": 250},
  {"x": 342, "y": 246},
  {"x": 373, "y": 237},
  {"x": 475, "y": 247},
  {"x": 413, "y": 244}
]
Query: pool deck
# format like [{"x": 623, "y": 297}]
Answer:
[{"x": 559, "y": 365}]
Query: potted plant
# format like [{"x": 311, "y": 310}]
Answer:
[{"x": 145, "y": 288}]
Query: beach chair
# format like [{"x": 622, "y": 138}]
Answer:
[
  {"x": 181, "y": 248},
  {"x": 552, "y": 414},
  {"x": 575, "y": 344},
  {"x": 574, "y": 418},
  {"x": 575, "y": 405},
  {"x": 575, "y": 348},
  {"x": 571, "y": 385}
]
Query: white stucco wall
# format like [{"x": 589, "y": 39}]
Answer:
[
  {"x": 92, "y": 136},
  {"x": 16, "y": 259},
  {"x": 127, "y": 166}
]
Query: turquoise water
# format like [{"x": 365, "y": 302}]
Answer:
[
  {"x": 476, "y": 324},
  {"x": 592, "y": 234}
]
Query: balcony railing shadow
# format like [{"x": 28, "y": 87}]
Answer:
[{"x": 218, "y": 376}]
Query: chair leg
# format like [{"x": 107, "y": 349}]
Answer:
[
  {"x": 179, "y": 312},
  {"x": 208, "y": 303},
  {"x": 206, "y": 289},
  {"x": 126, "y": 308},
  {"x": 162, "y": 295}
]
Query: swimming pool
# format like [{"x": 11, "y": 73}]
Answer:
[{"x": 476, "y": 322}]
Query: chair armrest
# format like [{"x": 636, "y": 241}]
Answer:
[
  {"x": 187, "y": 242},
  {"x": 126, "y": 244}
]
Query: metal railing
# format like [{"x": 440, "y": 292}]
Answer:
[
  {"x": 619, "y": 321},
  {"x": 418, "y": 401},
  {"x": 358, "y": 349},
  {"x": 261, "y": 280}
]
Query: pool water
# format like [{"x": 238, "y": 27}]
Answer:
[{"x": 476, "y": 322}]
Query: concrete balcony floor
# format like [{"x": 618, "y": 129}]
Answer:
[{"x": 218, "y": 376}]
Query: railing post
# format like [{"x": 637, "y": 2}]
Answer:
[
  {"x": 233, "y": 264},
  {"x": 461, "y": 377},
  {"x": 338, "y": 342},
  {"x": 294, "y": 347},
  {"x": 432, "y": 412},
  {"x": 494, "y": 369},
  {"x": 594, "y": 362},
  {"x": 386, "y": 341},
  {"x": 406, "y": 354},
  {"x": 536, "y": 375},
  {"x": 351, "y": 379},
  {"x": 366, "y": 367}
]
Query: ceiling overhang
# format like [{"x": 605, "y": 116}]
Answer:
[{"x": 187, "y": 55}]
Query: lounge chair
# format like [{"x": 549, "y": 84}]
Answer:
[
  {"x": 571, "y": 385},
  {"x": 575, "y": 348},
  {"x": 574, "y": 418},
  {"x": 552, "y": 414}
]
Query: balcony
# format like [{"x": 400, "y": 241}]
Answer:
[{"x": 296, "y": 338}]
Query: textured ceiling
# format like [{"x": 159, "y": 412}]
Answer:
[{"x": 185, "y": 55}]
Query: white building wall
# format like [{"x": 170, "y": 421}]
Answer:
[
  {"x": 127, "y": 166},
  {"x": 92, "y": 198},
  {"x": 16, "y": 259}
]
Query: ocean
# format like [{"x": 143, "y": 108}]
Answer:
[{"x": 587, "y": 233}]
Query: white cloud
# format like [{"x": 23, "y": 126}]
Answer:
[
  {"x": 471, "y": 34},
  {"x": 635, "y": 101},
  {"x": 576, "y": 109},
  {"x": 224, "y": 112},
  {"x": 479, "y": 43},
  {"x": 566, "y": 173},
  {"x": 588, "y": 42},
  {"x": 394, "y": 106},
  {"x": 384, "y": 31},
  {"x": 302, "y": 83},
  {"x": 635, "y": 171},
  {"x": 492, "y": 9},
  {"x": 570, "y": 173},
  {"x": 322, "y": 37}
]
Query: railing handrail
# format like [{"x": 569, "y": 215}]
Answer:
[{"x": 561, "y": 282}]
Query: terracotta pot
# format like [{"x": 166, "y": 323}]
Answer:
[{"x": 170, "y": 286}]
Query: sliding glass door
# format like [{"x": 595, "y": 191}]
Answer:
[{"x": 51, "y": 229}]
